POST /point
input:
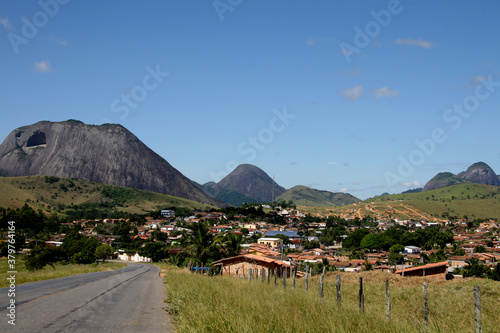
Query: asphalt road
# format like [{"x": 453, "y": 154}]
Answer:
[{"x": 126, "y": 300}]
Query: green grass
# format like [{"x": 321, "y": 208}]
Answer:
[
  {"x": 54, "y": 194},
  {"x": 49, "y": 272},
  {"x": 227, "y": 304},
  {"x": 473, "y": 200}
]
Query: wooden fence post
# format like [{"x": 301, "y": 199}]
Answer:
[
  {"x": 321, "y": 294},
  {"x": 294, "y": 275},
  {"x": 387, "y": 301},
  {"x": 276, "y": 276},
  {"x": 305, "y": 280},
  {"x": 477, "y": 310},
  {"x": 284, "y": 279},
  {"x": 337, "y": 287},
  {"x": 361, "y": 296},
  {"x": 269, "y": 272},
  {"x": 263, "y": 274},
  {"x": 426, "y": 307}
]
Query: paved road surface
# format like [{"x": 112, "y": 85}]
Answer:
[{"x": 125, "y": 300}]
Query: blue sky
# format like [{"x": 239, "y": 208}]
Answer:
[{"x": 362, "y": 97}]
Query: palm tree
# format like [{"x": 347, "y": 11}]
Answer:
[
  {"x": 230, "y": 244},
  {"x": 198, "y": 242}
]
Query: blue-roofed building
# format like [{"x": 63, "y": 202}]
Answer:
[{"x": 290, "y": 234}]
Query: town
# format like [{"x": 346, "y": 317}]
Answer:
[{"x": 280, "y": 235}]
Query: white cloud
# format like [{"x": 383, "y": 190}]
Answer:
[
  {"x": 311, "y": 41},
  {"x": 42, "y": 66},
  {"x": 414, "y": 183},
  {"x": 4, "y": 22},
  {"x": 475, "y": 81},
  {"x": 353, "y": 93},
  {"x": 416, "y": 42},
  {"x": 59, "y": 41},
  {"x": 343, "y": 190},
  {"x": 354, "y": 72},
  {"x": 385, "y": 92}
]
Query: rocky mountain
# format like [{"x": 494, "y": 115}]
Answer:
[
  {"x": 479, "y": 173},
  {"x": 107, "y": 153},
  {"x": 306, "y": 196},
  {"x": 246, "y": 183}
]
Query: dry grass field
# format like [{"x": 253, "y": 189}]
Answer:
[{"x": 226, "y": 304}]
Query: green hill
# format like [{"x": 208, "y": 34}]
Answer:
[
  {"x": 306, "y": 196},
  {"x": 61, "y": 195},
  {"x": 469, "y": 199}
]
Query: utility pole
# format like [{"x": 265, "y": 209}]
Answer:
[{"x": 274, "y": 184}]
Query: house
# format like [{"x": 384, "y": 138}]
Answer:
[
  {"x": 135, "y": 257},
  {"x": 436, "y": 269},
  {"x": 411, "y": 249},
  {"x": 459, "y": 261},
  {"x": 239, "y": 266},
  {"x": 271, "y": 242},
  {"x": 290, "y": 234}
]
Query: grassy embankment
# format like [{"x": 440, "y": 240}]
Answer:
[
  {"x": 471, "y": 200},
  {"x": 60, "y": 195},
  {"x": 227, "y": 304},
  {"x": 49, "y": 272}
]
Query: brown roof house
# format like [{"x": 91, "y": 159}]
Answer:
[
  {"x": 239, "y": 266},
  {"x": 437, "y": 269}
]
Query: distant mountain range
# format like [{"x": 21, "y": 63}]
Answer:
[
  {"x": 111, "y": 154},
  {"x": 479, "y": 173},
  {"x": 247, "y": 183},
  {"x": 306, "y": 196}
]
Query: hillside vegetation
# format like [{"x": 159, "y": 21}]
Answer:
[
  {"x": 471, "y": 200},
  {"x": 64, "y": 195},
  {"x": 306, "y": 196}
]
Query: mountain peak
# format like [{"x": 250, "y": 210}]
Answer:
[
  {"x": 107, "y": 153},
  {"x": 246, "y": 183},
  {"x": 479, "y": 172}
]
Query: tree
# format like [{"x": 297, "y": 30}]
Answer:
[
  {"x": 396, "y": 248},
  {"x": 475, "y": 268},
  {"x": 495, "y": 274},
  {"x": 183, "y": 212},
  {"x": 153, "y": 250},
  {"x": 371, "y": 242},
  {"x": 396, "y": 258},
  {"x": 354, "y": 239},
  {"x": 479, "y": 249},
  {"x": 103, "y": 251},
  {"x": 41, "y": 256},
  {"x": 198, "y": 241},
  {"x": 230, "y": 244},
  {"x": 80, "y": 249}
]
